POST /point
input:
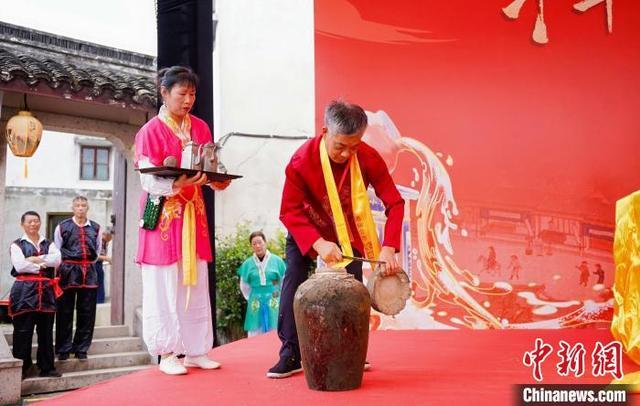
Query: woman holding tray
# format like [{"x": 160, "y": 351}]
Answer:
[{"x": 173, "y": 241}]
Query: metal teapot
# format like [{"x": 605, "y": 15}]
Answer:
[
  {"x": 209, "y": 157},
  {"x": 191, "y": 156}
]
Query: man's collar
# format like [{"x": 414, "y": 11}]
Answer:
[
  {"x": 26, "y": 238},
  {"x": 87, "y": 222}
]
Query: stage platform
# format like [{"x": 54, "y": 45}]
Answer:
[{"x": 416, "y": 367}]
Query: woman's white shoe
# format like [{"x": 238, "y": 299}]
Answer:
[
  {"x": 201, "y": 361},
  {"x": 171, "y": 366}
]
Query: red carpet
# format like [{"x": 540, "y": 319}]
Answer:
[{"x": 424, "y": 367}]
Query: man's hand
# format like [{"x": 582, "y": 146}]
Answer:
[
  {"x": 391, "y": 266},
  {"x": 328, "y": 251}
]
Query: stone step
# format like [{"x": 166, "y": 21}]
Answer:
[
  {"x": 98, "y": 332},
  {"x": 105, "y": 361},
  {"x": 108, "y": 345},
  {"x": 73, "y": 380}
]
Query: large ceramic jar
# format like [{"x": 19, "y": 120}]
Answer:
[{"x": 332, "y": 317}]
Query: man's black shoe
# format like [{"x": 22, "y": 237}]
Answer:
[
  {"x": 63, "y": 356},
  {"x": 285, "y": 368},
  {"x": 82, "y": 356},
  {"x": 28, "y": 372},
  {"x": 50, "y": 374}
]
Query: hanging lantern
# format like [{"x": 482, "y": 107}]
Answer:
[{"x": 23, "y": 133}]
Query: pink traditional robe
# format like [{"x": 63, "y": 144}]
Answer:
[{"x": 163, "y": 246}]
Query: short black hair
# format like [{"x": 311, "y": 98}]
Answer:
[
  {"x": 257, "y": 234},
  {"x": 184, "y": 75},
  {"x": 28, "y": 213}
]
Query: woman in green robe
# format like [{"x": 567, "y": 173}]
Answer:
[{"x": 260, "y": 281}]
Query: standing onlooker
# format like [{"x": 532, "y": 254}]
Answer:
[
  {"x": 260, "y": 281},
  {"x": 32, "y": 302},
  {"x": 80, "y": 241}
]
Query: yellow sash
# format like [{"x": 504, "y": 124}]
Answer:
[
  {"x": 189, "y": 253},
  {"x": 360, "y": 205},
  {"x": 189, "y": 268}
]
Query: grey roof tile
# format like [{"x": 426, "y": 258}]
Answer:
[{"x": 34, "y": 70}]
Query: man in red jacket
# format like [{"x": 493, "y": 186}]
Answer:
[{"x": 325, "y": 209}]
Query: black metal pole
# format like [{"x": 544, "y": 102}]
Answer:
[{"x": 186, "y": 37}]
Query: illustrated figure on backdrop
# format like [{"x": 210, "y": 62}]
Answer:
[
  {"x": 327, "y": 174},
  {"x": 32, "y": 301},
  {"x": 260, "y": 281},
  {"x": 600, "y": 272},
  {"x": 80, "y": 241},
  {"x": 515, "y": 267},
  {"x": 173, "y": 240},
  {"x": 584, "y": 273},
  {"x": 490, "y": 263}
]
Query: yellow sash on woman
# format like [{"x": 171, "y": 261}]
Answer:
[
  {"x": 189, "y": 253},
  {"x": 360, "y": 205},
  {"x": 189, "y": 266}
]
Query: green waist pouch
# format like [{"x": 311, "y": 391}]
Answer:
[{"x": 152, "y": 210}]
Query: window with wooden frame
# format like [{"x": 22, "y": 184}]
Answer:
[{"x": 94, "y": 162}]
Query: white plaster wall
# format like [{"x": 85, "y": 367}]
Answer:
[
  {"x": 264, "y": 84},
  {"x": 56, "y": 164}
]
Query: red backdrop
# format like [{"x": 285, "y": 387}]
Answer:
[{"x": 537, "y": 142}]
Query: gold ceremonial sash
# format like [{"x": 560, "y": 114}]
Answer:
[
  {"x": 189, "y": 256},
  {"x": 360, "y": 205},
  {"x": 189, "y": 253},
  {"x": 362, "y": 212}
]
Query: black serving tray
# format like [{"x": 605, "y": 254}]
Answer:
[{"x": 169, "y": 171}]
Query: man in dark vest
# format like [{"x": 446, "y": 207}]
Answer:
[
  {"x": 79, "y": 240},
  {"x": 32, "y": 301}
]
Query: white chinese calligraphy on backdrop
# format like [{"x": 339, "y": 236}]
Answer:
[{"x": 540, "y": 28}]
